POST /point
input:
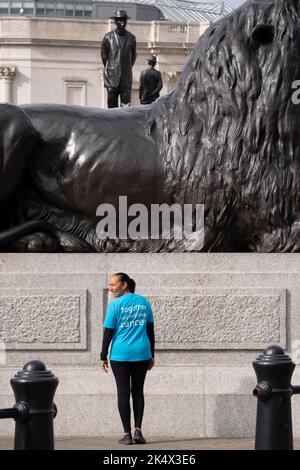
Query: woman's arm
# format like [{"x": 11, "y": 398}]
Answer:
[
  {"x": 107, "y": 337},
  {"x": 150, "y": 333}
]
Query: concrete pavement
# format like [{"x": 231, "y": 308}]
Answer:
[{"x": 111, "y": 443}]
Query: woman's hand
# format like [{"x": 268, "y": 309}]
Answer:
[
  {"x": 104, "y": 366},
  {"x": 151, "y": 364}
]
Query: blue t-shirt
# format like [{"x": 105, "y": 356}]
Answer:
[{"x": 129, "y": 315}]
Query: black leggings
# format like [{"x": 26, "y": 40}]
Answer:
[{"x": 123, "y": 372}]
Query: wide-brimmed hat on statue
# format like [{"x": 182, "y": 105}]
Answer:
[
  {"x": 120, "y": 14},
  {"x": 152, "y": 58}
]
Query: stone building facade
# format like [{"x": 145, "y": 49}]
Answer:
[{"x": 57, "y": 60}]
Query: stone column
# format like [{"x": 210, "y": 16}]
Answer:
[{"x": 7, "y": 73}]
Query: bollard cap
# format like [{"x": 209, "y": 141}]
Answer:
[
  {"x": 34, "y": 371},
  {"x": 273, "y": 350},
  {"x": 273, "y": 354},
  {"x": 34, "y": 366}
]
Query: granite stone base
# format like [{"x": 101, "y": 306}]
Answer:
[{"x": 214, "y": 313}]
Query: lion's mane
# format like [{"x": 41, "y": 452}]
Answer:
[{"x": 229, "y": 133}]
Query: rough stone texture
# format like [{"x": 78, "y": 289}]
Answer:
[
  {"x": 46, "y": 283},
  {"x": 43, "y": 321},
  {"x": 219, "y": 319}
]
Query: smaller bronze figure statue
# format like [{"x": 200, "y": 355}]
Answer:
[
  {"x": 118, "y": 53},
  {"x": 150, "y": 83}
]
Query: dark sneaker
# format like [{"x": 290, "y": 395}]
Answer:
[
  {"x": 138, "y": 437},
  {"x": 127, "y": 439}
]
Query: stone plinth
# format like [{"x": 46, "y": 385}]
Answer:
[{"x": 214, "y": 314}]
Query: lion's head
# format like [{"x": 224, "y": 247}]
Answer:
[{"x": 231, "y": 133}]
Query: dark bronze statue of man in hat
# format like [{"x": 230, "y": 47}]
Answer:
[
  {"x": 150, "y": 82},
  {"x": 118, "y": 53}
]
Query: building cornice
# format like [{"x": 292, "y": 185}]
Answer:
[
  {"x": 89, "y": 33},
  {"x": 158, "y": 48}
]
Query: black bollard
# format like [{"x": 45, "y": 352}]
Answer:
[
  {"x": 34, "y": 388},
  {"x": 274, "y": 370}
]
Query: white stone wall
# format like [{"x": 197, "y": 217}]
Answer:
[
  {"x": 51, "y": 54},
  {"x": 214, "y": 313}
]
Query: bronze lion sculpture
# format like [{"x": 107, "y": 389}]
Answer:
[{"x": 227, "y": 137}]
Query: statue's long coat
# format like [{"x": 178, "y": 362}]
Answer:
[{"x": 118, "y": 59}]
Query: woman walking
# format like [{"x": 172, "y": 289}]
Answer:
[{"x": 129, "y": 325}]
